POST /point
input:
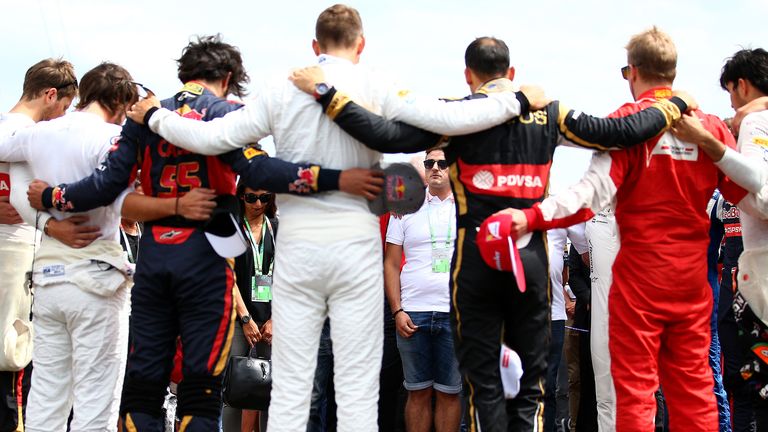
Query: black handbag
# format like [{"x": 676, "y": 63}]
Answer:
[{"x": 248, "y": 380}]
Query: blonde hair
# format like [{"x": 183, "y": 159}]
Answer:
[
  {"x": 654, "y": 55},
  {"x": 50, "y": 73}
]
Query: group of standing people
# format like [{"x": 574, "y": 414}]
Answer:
[{"x": 213, "y": 279}]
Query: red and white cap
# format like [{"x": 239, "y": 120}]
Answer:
[
  {"x": 511, "y": 369},
  {"x": 498, "y": 249}
]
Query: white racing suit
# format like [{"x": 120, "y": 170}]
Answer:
[
  {"x": 603, "y": 237},
  {"x": 328, "y": 256}
]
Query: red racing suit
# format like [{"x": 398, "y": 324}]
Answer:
[{"x": 660, "y": 302}]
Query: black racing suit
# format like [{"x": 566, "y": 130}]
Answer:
[
  {"x": 505, "y": 166},
  {"x": 182, "y": 287}
]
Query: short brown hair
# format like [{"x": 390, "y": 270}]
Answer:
[
  {"x": 108, "y": 84},
  {"x": 47, "y": 74},
  {"x": 654, "y": 55},
  {"x": 338, "y": 26}
]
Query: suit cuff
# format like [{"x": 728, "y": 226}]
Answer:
[
  {"x": 47, "y": 198},
  {"x": 328, "y": 179},
  {"x": 681, "y": 105},
  {"x": 525, "y": 105},
  {"x": 534, "y": 218}
]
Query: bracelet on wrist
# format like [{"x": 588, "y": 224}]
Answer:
[
  {"x": 394, "y": 314},
  {"x": 45, "y": 227}
]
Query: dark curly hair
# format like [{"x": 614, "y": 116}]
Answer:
[
  {"x": 210, "y": 59},
  {"x": 748, "y": 64}
]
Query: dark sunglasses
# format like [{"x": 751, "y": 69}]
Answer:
[
  {"x": 251, "y": 198},
  {"x": 65, "y": 85},
  {"x": 625, "y": 71},
  {"x": 142, "y": 91},
  {"x": 442, "y": 164}
]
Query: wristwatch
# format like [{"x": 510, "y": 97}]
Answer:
[
  {"x": 245, "y": 319},
  {"x": 321, "y": 89}
]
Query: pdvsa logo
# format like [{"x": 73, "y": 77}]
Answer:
[
  {"x": 519, "y": 180},
  {"x": 483, "y": 180},
  {"x": 486, "y": 180}
]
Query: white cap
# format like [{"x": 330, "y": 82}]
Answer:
[
  {"x": 17, "y": 346},
  {"x": 223, "y": 231},
  {"x": 511, "y": 369}
]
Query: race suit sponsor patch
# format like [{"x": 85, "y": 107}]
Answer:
[{"x": 514, "y": 181}]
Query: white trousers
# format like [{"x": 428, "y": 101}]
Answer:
[
  {"x": 81, "y": 342},
  {"x": 15, "y": 303},
  {"x": 343, "y": 280},
  {"x": 603, "y": 237}
]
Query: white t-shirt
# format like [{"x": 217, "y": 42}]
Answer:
[
  {"x": 66, "y": 150},
  {"x": 421, "y": 289},
  {"x": 557, "y": 239},
  {"x": 22, "y": 232}
]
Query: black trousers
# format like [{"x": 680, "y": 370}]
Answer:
[
  {"x": 9, "y": 394},
  {"x": 181, "y": 288},
  {"x": 488, "y": 308}
]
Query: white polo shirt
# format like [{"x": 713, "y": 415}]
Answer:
[{"x": 421, "y": 289}]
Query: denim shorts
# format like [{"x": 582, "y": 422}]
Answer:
[{"x": 428, "y": 356}]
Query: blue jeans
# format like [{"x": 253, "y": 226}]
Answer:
[
  {"x": 428, "y": 356},
  {"x": 553, "y": 364},
  {"x": 319, "y": 402}
]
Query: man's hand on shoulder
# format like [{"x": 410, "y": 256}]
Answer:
[
  {"x": 759, "y": 104},
  {"x": 367, "y": 183},
  {"x": 306, "y": 78},
  {"x": 690, "y": 129},
  {"x": 138, "y": 110},
  {"x": 8, "y": 214},
  {"x": 72, "y": 231},
  {"x": 688, "y": 99},
  {"x": 535, "y": 95}
]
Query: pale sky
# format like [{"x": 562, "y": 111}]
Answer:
[{"x": 574, "y": 49}]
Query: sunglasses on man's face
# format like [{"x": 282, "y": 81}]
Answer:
[
  {"x": 625, "y": 71},
  {"x": 65, "y": 85},
  {"x": 251, "y": 198},
  {"x": 429, "y": 163},
  {"x": 142, "y": 91}
]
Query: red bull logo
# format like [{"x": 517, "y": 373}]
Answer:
[
  {"x": 395, "y": 188},
  {"x": 190, "y": 113}
]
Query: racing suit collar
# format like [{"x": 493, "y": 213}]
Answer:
[
  {"x": 662, "y": 92},
  {"x": 327, "y": 58},
  {"x": 495, "y": 85},
  {"x": 195, "y": 87}
]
